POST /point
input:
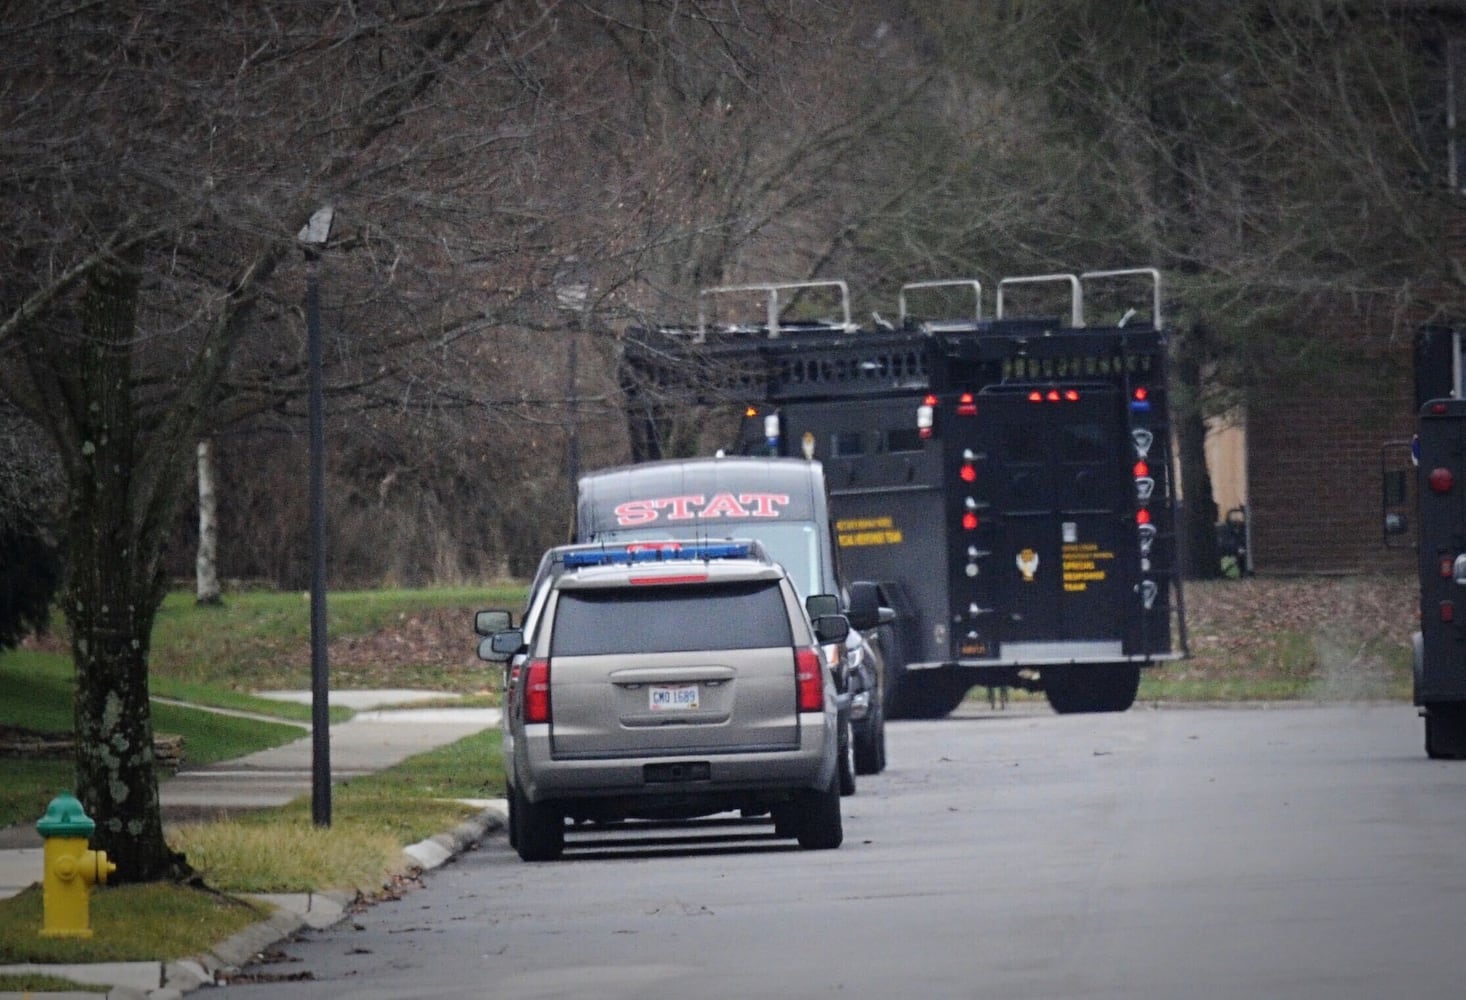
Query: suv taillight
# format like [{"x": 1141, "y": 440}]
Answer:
[
  {"x": 537, "y": 691},
  {"x": 810, "y": 680}
]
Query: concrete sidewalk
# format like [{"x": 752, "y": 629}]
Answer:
[{"x": 374, "y": 739}]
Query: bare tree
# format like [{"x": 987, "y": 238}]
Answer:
[{"x": 158, "y": 160}]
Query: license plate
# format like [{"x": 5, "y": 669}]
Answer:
[{"x": 672, "y": 697}]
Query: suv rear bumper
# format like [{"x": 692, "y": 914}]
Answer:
[{"x": 542, "y": 777}]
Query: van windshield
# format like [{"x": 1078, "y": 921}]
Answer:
[{"x": 795, "y": 546}]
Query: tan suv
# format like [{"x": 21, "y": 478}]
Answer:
[{"x": 667, "y": 681}]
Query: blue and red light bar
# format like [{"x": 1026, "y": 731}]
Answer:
[{"x": 660, "y": 551}]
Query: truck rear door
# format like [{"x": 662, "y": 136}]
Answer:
[{"x": 1042, "y": 558}]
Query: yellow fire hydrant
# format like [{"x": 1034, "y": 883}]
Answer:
[{"x": 71, "y": 869}]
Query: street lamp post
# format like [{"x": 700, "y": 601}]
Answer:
[{"x": 312, "y": 239}]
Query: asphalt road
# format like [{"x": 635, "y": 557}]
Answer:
[{"x": 1281, "y": 853}]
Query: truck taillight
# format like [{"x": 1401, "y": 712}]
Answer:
[
  {"x": 967, "y": 473},
  {"x": 1053, "y": 396},
  {"x": 1440, "y": 480},
  {"x": 537, "y": 691},
  {"x": 809, "y": 680},
  {"x": 1141, "y": 470},
  {"x": 966, "y": 407},
  {"x": 969, "y": 521},
  {"x": 1142, "y": 516},
  {"x": 924, "y": 417}
]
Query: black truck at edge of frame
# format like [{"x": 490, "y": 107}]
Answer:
[
  {"x": 1008, "y": 481},
  {"x": 1431, "y": 489}
]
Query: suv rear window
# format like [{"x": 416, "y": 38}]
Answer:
[{"x": 748, "y": 615}]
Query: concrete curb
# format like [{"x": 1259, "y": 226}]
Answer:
[{"x": 294, "y": 912}]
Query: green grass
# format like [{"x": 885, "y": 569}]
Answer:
[
  {"x": 130, "y": 923},
  {"x": 36, "y": 693},
  {"x": 372, "y": 819},
  {"x": 259, "y": 640},
  {"x": 28, "y": 786}
]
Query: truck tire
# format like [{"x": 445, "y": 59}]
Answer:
[
  {"x": 924, "y": 694},
  {"x": 1445, "y": 731},
  {"x": 541, "y": 835},
  {"x": 819, "y": 825},
  {"x": 847, "y": 761},
  {"x": 1091, "y": 687}
]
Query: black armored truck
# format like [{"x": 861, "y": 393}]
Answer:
[{"x": 1005, "y": 481}]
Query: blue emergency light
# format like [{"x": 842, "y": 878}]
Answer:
[{"x": 660, "y": 551}]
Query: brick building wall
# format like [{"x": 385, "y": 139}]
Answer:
[{"x": 1314, "y": 475}]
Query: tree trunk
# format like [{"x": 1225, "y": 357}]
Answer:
[
  {"x": 207, "y": 566},
  {"x": 115, "y": 587}
]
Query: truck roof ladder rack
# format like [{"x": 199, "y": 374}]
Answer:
[
  {"x": 1076, "y": 293},
  {"x": 773, "y": 326},
  {"x": 935, "y": 325}
]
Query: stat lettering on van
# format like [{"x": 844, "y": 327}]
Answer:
[{"x": 699, "y": 507}]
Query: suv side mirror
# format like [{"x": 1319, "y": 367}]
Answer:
[
  {"x": 500, "y": 646},
  {"x": 489, "y": 622},
  {"x": 819, "y": 605},
  {"x": 831, "y": 628}
]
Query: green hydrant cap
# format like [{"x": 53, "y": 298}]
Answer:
[{"x": 65, "y": 818}]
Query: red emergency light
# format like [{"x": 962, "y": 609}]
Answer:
[
  {"x": 1141, "y": 470},
  {"x": 968, "y": 472},
  {"x": 1053, "y": 396},
  {"x": 1142, "y": 516},
  {"x": 965, "y": 405},
  {"x": 969, "y": 521},
  {"x": 1440, "y": 480}
]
